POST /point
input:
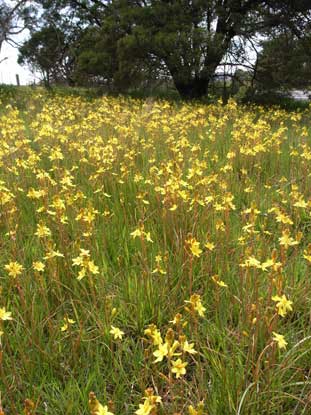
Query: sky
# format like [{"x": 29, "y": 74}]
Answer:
[{"x": 9, "y": 67}]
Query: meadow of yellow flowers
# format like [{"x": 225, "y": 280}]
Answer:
[{"x": 155, "y": 258}]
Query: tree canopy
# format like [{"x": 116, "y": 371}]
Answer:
[
  {"x": 124, "y": 42},
  {"x": 284, "y": 63}
]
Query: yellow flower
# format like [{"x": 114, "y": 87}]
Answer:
[
  {"x": 177, "y": 319},
  {"x": 144, "y": 408},
  {"x": 38, "y": 266},
  {"x": 270, "y": 263},
  {"x": 96, "y": 407},
  {"x": 82, "y": 258},
  {"x": 301, "y": 203},
  {"x": 116, "y": 332},
  {"x": 148, "y": 237},
  {"x": 179, "y": 368},
  {"x": 200, "y": 308},
  {"x": 137, "y": 233},
  {"x": 42, "y": 230},
  {"x": 196, "y": 304},
  {"x": 251, "y": 262},
  {"x": 307, "y": 256},
  {"x": 154, "y": 333},
  {"x": 283, "y": 218},
  {"x": 53, "y": 254},
  {"x": 93, "y": 268},
  {"x": 280, "y": 340},
  {"x": 192, "y": 410},
  {"x": 282, "y": 304},
  {"x": 188, "y": 347},
  {"x": 150, "y": 403},
  {"x": 140, "y": 233},
  {"x": 161, "y": 352},
  {"x": 159, "y": 268},
  {"x": 194, "y": 247},
  {"x": 67, "y": 321},
  {"x": 307, "y": 253},
  {"x": 81, "y": 274},
  {"x": 5, "y": 315},
  {"x": 210, "y": 246},
  {"x": 85, "y": 263},
  {"x": 198, "y": 411},
  {"x": 219, "y": 282},
  {"x": 286, "y": 240},
  {"x": 14, "y": 269}
]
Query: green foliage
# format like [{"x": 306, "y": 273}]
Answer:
[
  {"x": 48, "y": 51},
  {"x": 284, "y": 63},
  {"x": 126, "y": 45}
]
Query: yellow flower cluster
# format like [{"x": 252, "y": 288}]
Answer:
[{"x": 117, "y": 214}]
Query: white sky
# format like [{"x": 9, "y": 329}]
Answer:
[{"x": 9, "y": 68}]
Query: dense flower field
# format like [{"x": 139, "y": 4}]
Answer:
[{"x": 155, "y": 258}]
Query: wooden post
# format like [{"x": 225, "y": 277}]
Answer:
[{"x": 17, "y": 80}]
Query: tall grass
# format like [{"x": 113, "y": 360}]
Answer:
[{"x": 174, "y": 203}]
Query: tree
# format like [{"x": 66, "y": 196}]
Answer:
[
  {"x": 51, "y": 53},
  {"x": 102, "y": 57},
  {"x": 284, "y": 63},
  {"x": 190, "y": 38},
  {"x": 97, "y": 57}
]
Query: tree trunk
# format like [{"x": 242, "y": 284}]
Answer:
[{"x": 193, "y": 89}]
